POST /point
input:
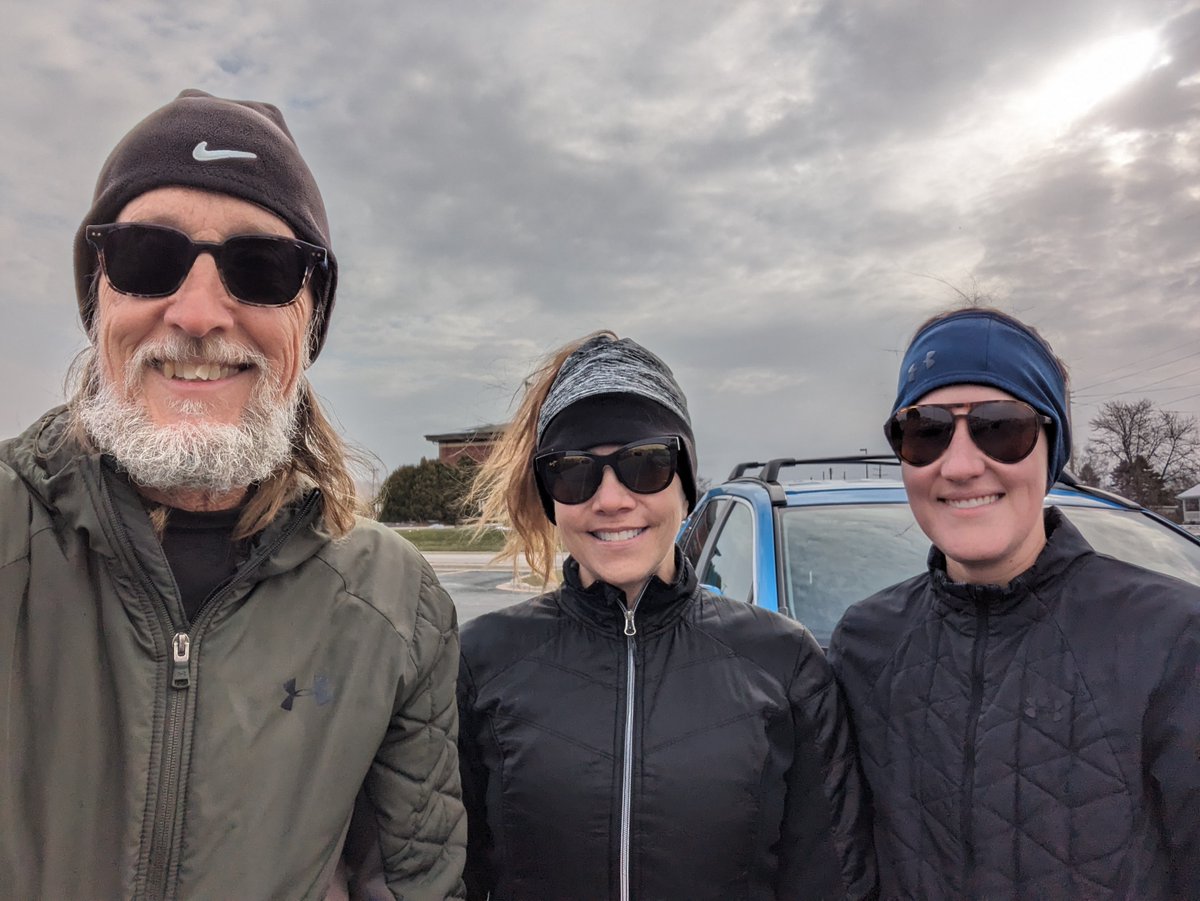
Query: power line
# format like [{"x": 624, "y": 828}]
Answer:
[
  {"x": 1142, "y": 388},
  {"x": 1130, "y": 375},
  {"x": 1153, "y": 356}
]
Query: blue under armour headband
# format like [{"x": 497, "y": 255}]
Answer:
[{"x": 978, "y": 347}]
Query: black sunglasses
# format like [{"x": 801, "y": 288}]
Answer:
[
  {"x": 644, "y": 467},
  {"x": 153, "y": 261},
  {"x": 1005, "y": 430}
]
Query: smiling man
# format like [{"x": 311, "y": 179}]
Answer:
[{"x": 212, "y": 672}]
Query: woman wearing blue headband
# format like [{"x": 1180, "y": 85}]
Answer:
[
  {"x": 1027, "y": 710},
  {"x": 630, "y": 735}
]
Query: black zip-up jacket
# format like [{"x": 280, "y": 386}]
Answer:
[
  {"x": 1040, "y": 741},
  {"x": 697, "y": 749}
]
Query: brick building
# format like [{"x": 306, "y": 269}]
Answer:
[{"x": 474, "y": 443}]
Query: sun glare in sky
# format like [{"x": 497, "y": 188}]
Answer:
[{"x": 1091, "y": 75}]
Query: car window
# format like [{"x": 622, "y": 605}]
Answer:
[
  {"x": 834, "y": 556},
  {"x": 699, "y": 527},
  {"x": 1134, "y": 537},
  {"x": 730, "y": 566}
]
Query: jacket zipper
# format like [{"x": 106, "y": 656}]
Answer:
[
  {"x": 978, "y": 655},
  {"x": 627, "y": 763},
  {"x": 166, "y": 811},
  {"x": 180, "y": 652}
]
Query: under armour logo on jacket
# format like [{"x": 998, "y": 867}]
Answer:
[
  {"x": 321, "y": 692},
  {"x": 1036, "y": 706}
]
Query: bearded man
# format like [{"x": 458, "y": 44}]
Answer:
[{"x": 211, "y": 670}]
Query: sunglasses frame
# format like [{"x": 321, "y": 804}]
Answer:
[
  {"x": 609, "y": 460},
  {"x": 957, "y": 412},
  {"x": 315, "y": 256}
]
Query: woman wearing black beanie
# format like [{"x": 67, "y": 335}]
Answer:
[{"x": 630, "y": 735}]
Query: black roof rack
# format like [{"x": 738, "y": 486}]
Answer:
[
  {"x": 768, "y": 472},
  {"x": 740, "y": 470}
]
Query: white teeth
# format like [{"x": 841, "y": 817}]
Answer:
[
  {"x": 623, "y": 535},
  {"x": 967, "y": 503},
  {"x": 197, "y": 372}
]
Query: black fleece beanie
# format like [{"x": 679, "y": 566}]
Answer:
[{"x": 237, "y": 147}]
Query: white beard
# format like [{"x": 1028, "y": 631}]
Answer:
[{"x": 193, "y": 454}]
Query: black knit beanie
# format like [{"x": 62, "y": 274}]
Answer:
[{"x": 237, "y": 147}]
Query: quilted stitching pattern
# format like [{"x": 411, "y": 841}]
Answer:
[
  {"x": 1034, "y": 742},
  {"x": 1046, "y": 769}
]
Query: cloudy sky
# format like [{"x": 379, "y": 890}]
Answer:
[{"x": 769, "y": 195}]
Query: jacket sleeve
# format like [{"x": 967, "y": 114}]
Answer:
[
  {"x": 479, "y": 878},
  {"x": 826, "y": 849},
  {"x": 1172, "y": 758},
  {"x": 413, "y": 782}
]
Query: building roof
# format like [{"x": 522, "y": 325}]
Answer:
[
  {"x": 474, "y": 433},
  {"x": 1194, "y": 491}
]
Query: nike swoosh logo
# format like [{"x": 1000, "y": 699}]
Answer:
[{"x": 203, "y": 154}]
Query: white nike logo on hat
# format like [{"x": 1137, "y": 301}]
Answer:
[{"x": 203, "y": 154}]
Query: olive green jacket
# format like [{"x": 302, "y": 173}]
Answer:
[{"x": 144, "y": 758}]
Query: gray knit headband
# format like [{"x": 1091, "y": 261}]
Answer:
[{"x": 602, "y": 365}]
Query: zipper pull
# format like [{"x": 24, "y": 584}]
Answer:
[
  {"x": 181, "y": 655},
  {"x": 630, "y": 629}
]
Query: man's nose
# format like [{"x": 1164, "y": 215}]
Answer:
[{"x": 201, "y": 305}]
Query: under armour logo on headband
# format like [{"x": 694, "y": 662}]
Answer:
[{"x": 929, "y": 361}]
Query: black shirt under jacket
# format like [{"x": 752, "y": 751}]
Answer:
[{"x": 743, "y": 778}]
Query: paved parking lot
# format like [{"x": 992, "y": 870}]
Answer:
[{"x": 474, "y": 582}]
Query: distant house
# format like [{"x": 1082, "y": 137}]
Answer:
[
  {"x": 474, "y": 443},
  {"x": 1191, "y": 505}
]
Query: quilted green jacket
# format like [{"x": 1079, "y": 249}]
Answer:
[{"x": 144, "y": 757}]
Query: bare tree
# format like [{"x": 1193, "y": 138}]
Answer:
[{"x": 1138, "y": 435}]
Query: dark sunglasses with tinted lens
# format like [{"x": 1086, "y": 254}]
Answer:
[
  {"x": 153, "y": 261},
  {"x": 1005, "y": 430},
  {"x": 644, "y": 467}
]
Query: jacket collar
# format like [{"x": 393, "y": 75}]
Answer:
[
  {"x": 1064, "y": 545},
  {"x": 603, "y": 606},
  {"x": 80, "y": 488}
]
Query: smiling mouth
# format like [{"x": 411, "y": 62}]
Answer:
[
  {"x": 198, "y": 372},
  {"x": 623, "y": 535},
  {"x": 968, "y": 503}
]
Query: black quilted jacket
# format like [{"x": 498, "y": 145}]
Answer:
[
  {"x": 742, "y": 782},
  {"x": 1035, "y": 742}
]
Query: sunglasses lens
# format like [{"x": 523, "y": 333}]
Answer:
[
  {"x": 263, "y": 270},
  {"x": 574, "y": 476},
  {"x": 646, "y": 468},
  {"x": 147, "y": 261},
  {"x": 571, "y": 478},
  {"x": 1004, "y": 430},
  {"x": 919, "y": 435},
  {"x": 152, "y": 261}
]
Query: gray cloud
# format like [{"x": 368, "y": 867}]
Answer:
[{"x": 756, "y": 191}]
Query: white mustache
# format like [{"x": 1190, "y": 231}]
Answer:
[{"x": 179, "y": 349}]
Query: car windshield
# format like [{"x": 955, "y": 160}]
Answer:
[
  {"x": 836, "y": 555},
  {"x": 1133, "y": 536}
]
